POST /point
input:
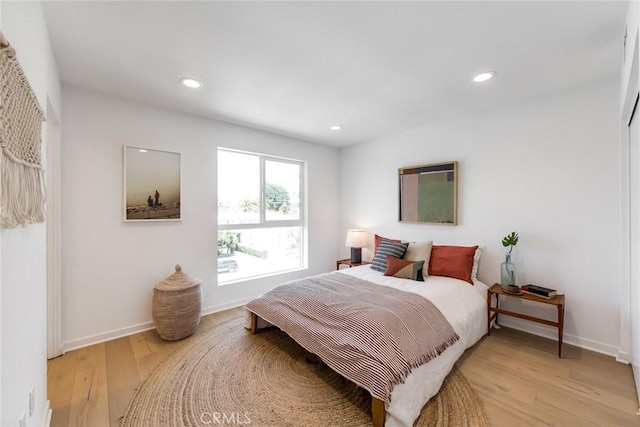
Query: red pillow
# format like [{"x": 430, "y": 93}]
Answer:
[
  {"x": 395, "y": 264},
  {"x": 378, "y": 239},
  {"x": 404, "y": 268},
  {"x": 452, "y": 261}
]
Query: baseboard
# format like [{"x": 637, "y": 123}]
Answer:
[
  {"x": 141, "y": 327},
  {"x": 623, "y": 357},
  {"x": 48, "y": 413},
  {"x": 521, "y": 325},
  {"x": 221, "y": 307},
  {"x": 106, "y": 336},
  {"x": 552, "y": 333}
]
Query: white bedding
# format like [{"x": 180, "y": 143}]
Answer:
[{"x": 464, "y": 306}]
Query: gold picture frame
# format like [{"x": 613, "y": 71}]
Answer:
[{"x": 429, "y": 194}]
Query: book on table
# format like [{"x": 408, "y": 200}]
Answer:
[{"x": 540, "y": 291}]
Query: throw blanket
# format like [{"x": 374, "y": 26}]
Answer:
[{"x": 372, "y": 335}]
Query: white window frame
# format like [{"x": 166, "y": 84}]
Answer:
[{"x": 263, "y": 222}]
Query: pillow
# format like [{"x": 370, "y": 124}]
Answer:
[
  {"x": 377, "y": 239},
  {"x": 404, "y": 268},
  {"x": 386, "y": 247},
  {"x": 452, "y": 261},
  {"x": 419, "y": 251},
  {"x": 476, "y": 263}
]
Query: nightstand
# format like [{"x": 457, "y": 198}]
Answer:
[
  {"x": 492, "y": 312},
  {"x": 348, "y": 263}
]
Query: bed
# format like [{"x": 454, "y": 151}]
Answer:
[{"x": 464, "y": 307}]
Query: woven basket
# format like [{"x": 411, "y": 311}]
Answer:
[{"x": 176, "y": 306}]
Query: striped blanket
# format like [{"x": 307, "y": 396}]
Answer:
[{"x": 372, "y": 335}]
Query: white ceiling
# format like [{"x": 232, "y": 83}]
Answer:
[{"x": 296, "y": 68}]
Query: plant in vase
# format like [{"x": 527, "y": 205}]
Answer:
[{"x": 507, "y": 268}]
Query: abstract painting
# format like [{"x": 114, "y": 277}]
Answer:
[{"x": 428, "y": 193}]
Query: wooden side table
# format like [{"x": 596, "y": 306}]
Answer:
[
  {"x": 492, "y": 312},
  {"x": 348, "y": 263}
]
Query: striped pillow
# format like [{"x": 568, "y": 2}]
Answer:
[{"x": 386, "y": 247}]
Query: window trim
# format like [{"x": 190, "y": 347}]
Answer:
[
  {"x": 263, "y": 223},
  {"x": 263, "y": 211}
]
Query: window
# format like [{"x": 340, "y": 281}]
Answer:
[{"x": 260, "y": 215}]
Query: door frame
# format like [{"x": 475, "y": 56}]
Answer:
[
  {"x": 628, "y": 109},
  {"x": 54, "y": 238}
]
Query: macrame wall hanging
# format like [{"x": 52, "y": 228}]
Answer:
[{"x": 22, "y": 188}]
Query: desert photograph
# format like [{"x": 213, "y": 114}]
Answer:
[{"x": 152, "y": 184}]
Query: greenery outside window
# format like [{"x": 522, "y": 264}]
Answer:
[{"x": 260, "y": 215}]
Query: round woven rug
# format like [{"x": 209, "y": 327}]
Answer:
[{"x": 226, "y": 376}]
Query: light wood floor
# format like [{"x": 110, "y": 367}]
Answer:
[{"x": 518, "y": 377}]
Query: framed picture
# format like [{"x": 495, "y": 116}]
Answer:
[
  {"x": 429, "y": 193},
  {"x": 152, "y": 185}
]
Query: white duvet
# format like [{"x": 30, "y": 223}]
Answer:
[{"x": 464, "y": 306}]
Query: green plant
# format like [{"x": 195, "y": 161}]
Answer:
[
  {"x": 250, "y": 205},
  {"x": 276, "y": 196},
  {"x": 510, "y": 240},
  {"x": 227, "y": 242},
  {"x": 262, "y": 254}
]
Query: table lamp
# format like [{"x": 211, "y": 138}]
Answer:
[{"x": 356, "y": 239}]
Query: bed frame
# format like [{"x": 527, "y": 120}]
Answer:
[{"x": 378, "y": 412}]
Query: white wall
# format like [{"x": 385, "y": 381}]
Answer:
[
  {"x": 548, "y": 169},
  {"x": 109, "y": 266},
  {"x": 632, "y": 21},
  {"x": 23, "y": 252}
]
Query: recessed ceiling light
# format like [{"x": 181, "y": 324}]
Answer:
[
  {"x": 192, "y": 83},
  {"x": 335, "y": 127},
  {"x": 483, "y": 77},
  {"x": 142, "y": 150}
]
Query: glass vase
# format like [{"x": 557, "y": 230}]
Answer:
[{"x": 507, "y": 273}]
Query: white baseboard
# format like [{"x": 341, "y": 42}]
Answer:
[
  {"x": 227, "y": 306},
  {"x": 623, "y": 357},
  {"x": 521, "y": 325},
  {"x": 48, "y": 412},
  {"x": 141, "y": 327},
  {"x": 106, "y": 336},
  {"x": 552, "y": 333}
]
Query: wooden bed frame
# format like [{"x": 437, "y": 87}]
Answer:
[{"x": 378, "y": 412}]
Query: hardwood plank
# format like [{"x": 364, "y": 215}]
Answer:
[
  {"x": 504, "y": 384},
  {"x": 518, "y": 376},
  {"x": 149, "y": 349},
  {"x": 157, "y": 344},
  {"x": 61, "y": 375},
  {"x": 223, "y": 316},
  {"x": 206, "y": 322},
  {"x": 510, "y": 365},
  {"x": 583, "y": 409},
  {"x": 532, "y": 362},
  {"x": 532, "y": 367},
  {"x": 122, "y": 377},
  {"x": 617, "y": 383},
  {"x": 146, "y": 359},
  {"x": 504, "y": 413},
  {"x": 90, "y": 397}
]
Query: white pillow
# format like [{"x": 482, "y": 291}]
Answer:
[
  {"x": 476, "y": 263},
  {"x": 419, "y": 251}
]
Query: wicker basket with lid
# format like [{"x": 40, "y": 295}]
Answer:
[{"x": 176, "y": 306}]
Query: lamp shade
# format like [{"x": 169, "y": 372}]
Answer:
[{"x": 356, "y": 238}]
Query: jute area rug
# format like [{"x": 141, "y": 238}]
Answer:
[{"x": 226, "y": 376}]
